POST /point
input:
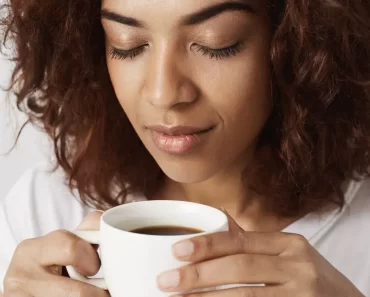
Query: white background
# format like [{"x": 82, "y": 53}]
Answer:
[{"x": 33, "y": 145}]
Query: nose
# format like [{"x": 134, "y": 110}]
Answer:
[{"x": 166, "y": 83}]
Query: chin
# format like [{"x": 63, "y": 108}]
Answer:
[{"x": 187, "y": 172}]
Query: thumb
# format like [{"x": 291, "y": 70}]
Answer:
[{"x": 91, "y": 221}]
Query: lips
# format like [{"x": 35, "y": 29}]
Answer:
[
  {"x": 177, "y": 130},
  {"x": 178, "y": 139}
]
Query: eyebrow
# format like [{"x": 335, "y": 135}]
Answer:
[
  {"x": 113, "y": 16},
  {"x": 212, "y": 11},
  {"x": 192, "y": 19}
]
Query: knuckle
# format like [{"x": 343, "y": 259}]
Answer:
[
  {"x": 14, "y": 283},
  {"x": 88, "y": 291},
  {"x": 310, "y": 292},
  {"x": 203, "y": 244},
  {"x": 59, "y": 234},
  {"x": 243, "y": 263},
  {"x": 85, "y": 291},
  {"x": 255, "y": 292},
  {"x": 201, "y": 294},
  {"x": 312, "y": 274},
  {"x": 24, "y": 252},
  {"x": 69, "y": 244},
  {"x": 246, "y": 292},
  {"x": 284, "y": 268},
  {"x": 280, "y": 266},
  {"x": 70, "y": 250},
  {"x": 197, "y": 274},
  {"x": 191, "y": 275},
  {"x": 81, "y": 291},
  {"x": 299, "y": 242},
  {"x": 310, "y": 277},
  {"x": 24, "y": 246},
  {"x": 242, "y": 240}
]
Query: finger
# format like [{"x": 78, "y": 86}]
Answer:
[
  {"x": 64, "y": 249},
  {"x": 57, "y": 286},
  {"x": 251, "y": 291},
  {"x": 281, "y": 242},
  {"x": 236, "y": 269},
  {"x": 236, "y": 241},
  {"x": 233, "y": 225},
  {"x": 91, "y": 221},
  {"x": 15, "y": 293}
]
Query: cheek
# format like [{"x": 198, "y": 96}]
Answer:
[
  {"x": 126, "y": 83},
  {"x": 240, "y": 93},
  {"x": 249, "y": 102}
]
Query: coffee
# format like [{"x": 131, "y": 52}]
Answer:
[{"x": 167, "y": 230}]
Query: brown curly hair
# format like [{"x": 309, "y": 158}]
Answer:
[{"x": 318, "y": 135}]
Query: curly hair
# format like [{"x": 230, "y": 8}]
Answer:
[{"x": 318, "y": 134}]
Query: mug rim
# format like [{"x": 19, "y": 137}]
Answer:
[{"x": 218, "y": 226}]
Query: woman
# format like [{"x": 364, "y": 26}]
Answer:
[{"x": 259, "y": 107}]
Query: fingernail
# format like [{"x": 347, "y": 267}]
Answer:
[
  {"x": 183, "y": 249},
  {"x": 169, "y": 280}
]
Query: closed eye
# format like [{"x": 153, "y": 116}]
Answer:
[
  {"x": 219, "y": 53},
  {"x": 212, "y": 53},
  {"x": 120, "y": 54}
]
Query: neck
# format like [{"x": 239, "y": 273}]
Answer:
[{"x": 227, "y": 190}]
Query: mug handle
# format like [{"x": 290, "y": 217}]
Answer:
[{"x": 92, "y": 237}]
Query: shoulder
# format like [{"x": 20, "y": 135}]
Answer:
[
  {"x": 41, "y": 202},
  {"x": 358, "y": 201},
  {"x": 353, "y": 220},
  {"x": 346, "y": 244}
]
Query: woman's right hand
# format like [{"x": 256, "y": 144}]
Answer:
[{"x": 36, "y": 267}]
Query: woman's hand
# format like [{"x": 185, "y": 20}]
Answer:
[
  {"x": 286, "y": 263},
  {"x": 36, "y": 267}
]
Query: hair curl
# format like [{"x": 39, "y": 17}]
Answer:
[{"x": 318, "y": 134}]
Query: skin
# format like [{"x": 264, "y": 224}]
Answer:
[
  {"x": 36, "y": 267},
  {"x": 172, "y": 83}
]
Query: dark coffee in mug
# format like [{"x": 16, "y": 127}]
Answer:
[{"x": 167, "y": 230}]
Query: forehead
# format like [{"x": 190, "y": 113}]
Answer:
[{"x": 168, "y": 10}]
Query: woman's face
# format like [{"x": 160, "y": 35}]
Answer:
[{"x": 193, "y": 77}]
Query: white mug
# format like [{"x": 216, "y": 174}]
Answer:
[{"x": 131, "y": 262}]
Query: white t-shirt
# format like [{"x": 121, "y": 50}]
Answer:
[{"x": 40, "y": 202}]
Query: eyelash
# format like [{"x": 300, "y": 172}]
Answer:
[
  {"x": 119, "y": 54},
  {"x": 222, "y": 53}
]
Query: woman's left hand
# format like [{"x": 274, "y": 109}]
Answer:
[{"x": 286, "y": 264}]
